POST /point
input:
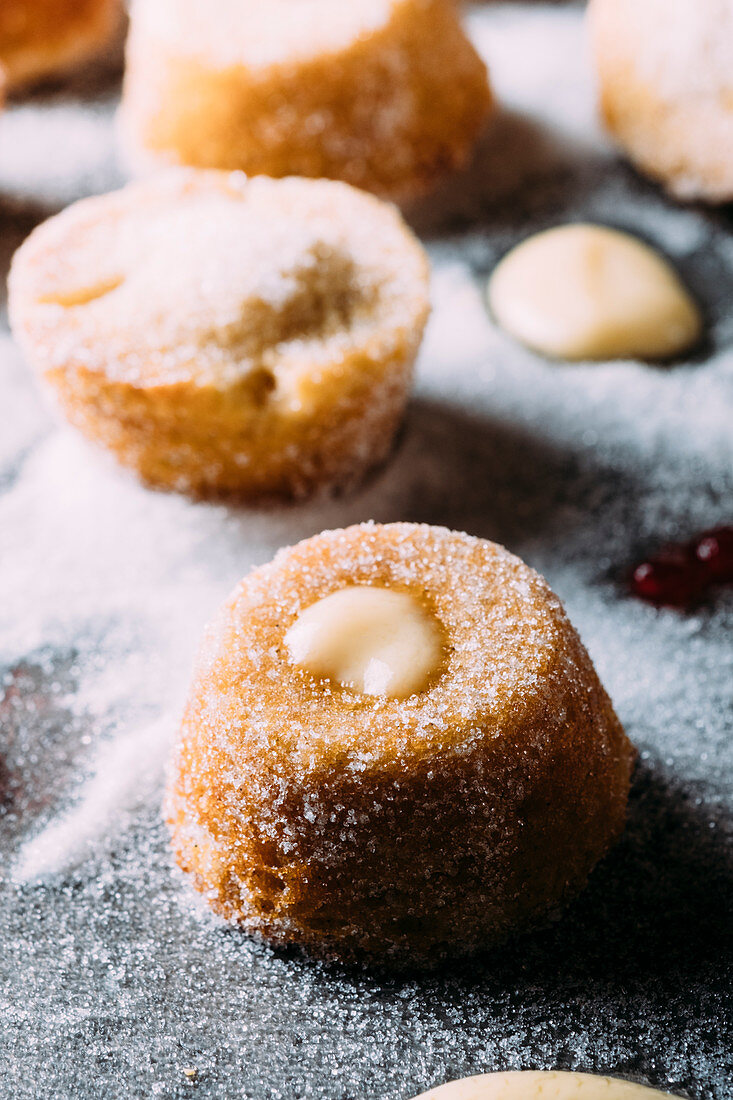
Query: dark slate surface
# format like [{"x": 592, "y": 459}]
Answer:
[{"x": 112, "y": 981}]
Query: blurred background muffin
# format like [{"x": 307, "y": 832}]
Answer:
[
  {"x": 385, "y": 95},
  {"x": 665, "y": 70},
  {"x": 43, "y": 38}
]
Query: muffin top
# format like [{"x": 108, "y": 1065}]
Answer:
[
  {"x": 511, "y": 660},
  {"x": 259, "y": 35},
  {"x": 205, "y": 277}
]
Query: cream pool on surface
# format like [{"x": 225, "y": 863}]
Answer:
[
  {"x": 375, "y": 640},
  {"x": 590, "y": 292}
]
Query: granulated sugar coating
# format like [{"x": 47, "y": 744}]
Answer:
[
  {"x": 410, "y": 829},
  {"x": 112, "y": 982},
  {"x": 221, "y": 335}
]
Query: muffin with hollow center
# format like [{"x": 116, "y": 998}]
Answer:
[
  {"x": 395, "y": 747},
  {"x": 665, "y": 70},
  {"x": 222, "y": 335},
  {"x": 384, "y": 94},
  {"x": 42, "y": 38}
]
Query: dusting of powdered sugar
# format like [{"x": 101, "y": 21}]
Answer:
[{"x": 112, "y": 981}]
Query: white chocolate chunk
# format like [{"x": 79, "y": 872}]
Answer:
[
  {"x": 536, "y": 1085},
  {"x": 589, "y": 292},
  {"x": 375, "y": 640}
]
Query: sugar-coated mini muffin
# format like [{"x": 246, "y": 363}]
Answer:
[
  {"x": 384, "y": 94},
  {"x": 406, "y": 781},
  {"x": 541, "y": 1085},
  {"x": 224, "y": 335},
  {"x": 40, "y": 38},
  {"x": 665, "y": 70}
]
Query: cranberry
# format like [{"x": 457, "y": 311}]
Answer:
[
  {"x": 670, "y": 579},
  {"x": 678, "y": 575},
  {"x": 714, "y": 549}
]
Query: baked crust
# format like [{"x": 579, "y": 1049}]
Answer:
[
  {"x": 227, "y": 336},
  {"x": 385, "y": 95},
  {"x": 665, "y": 71},
  {"x": 41, "y": 38},
  {"x": 415, "y": 828}
]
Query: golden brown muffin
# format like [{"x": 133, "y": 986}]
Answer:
[
  {"x": 539, "y": 1085},
  {"x": 40, "y": 38},
  {"x": 224, "y": 335},
  {"x": 665, "y": 70},
  {"x": 384, "y": 94},
  {"x": 407, "y": 828}
]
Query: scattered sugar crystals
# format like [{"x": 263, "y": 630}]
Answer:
[{"x": 114, "y": 981}]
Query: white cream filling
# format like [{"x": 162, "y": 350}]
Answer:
[
  {"x": 589, "y": 292},
  {"x": 538, "y": 1085},
  {"x": 374, "y": 640}
]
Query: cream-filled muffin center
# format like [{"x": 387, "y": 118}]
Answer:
[
  {"x": 589, "y": 292},
  {"x": 541, "y": 1085},
  {"x": 371, "y": 639}
]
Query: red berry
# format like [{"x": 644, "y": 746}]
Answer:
[
  {"x": 679, "y": 575},
  {"x": 714, "y": 550},
  {"x": 673, "y": 578}
]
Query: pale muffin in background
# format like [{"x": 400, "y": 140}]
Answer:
[{"x": 665, "y": 72}]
